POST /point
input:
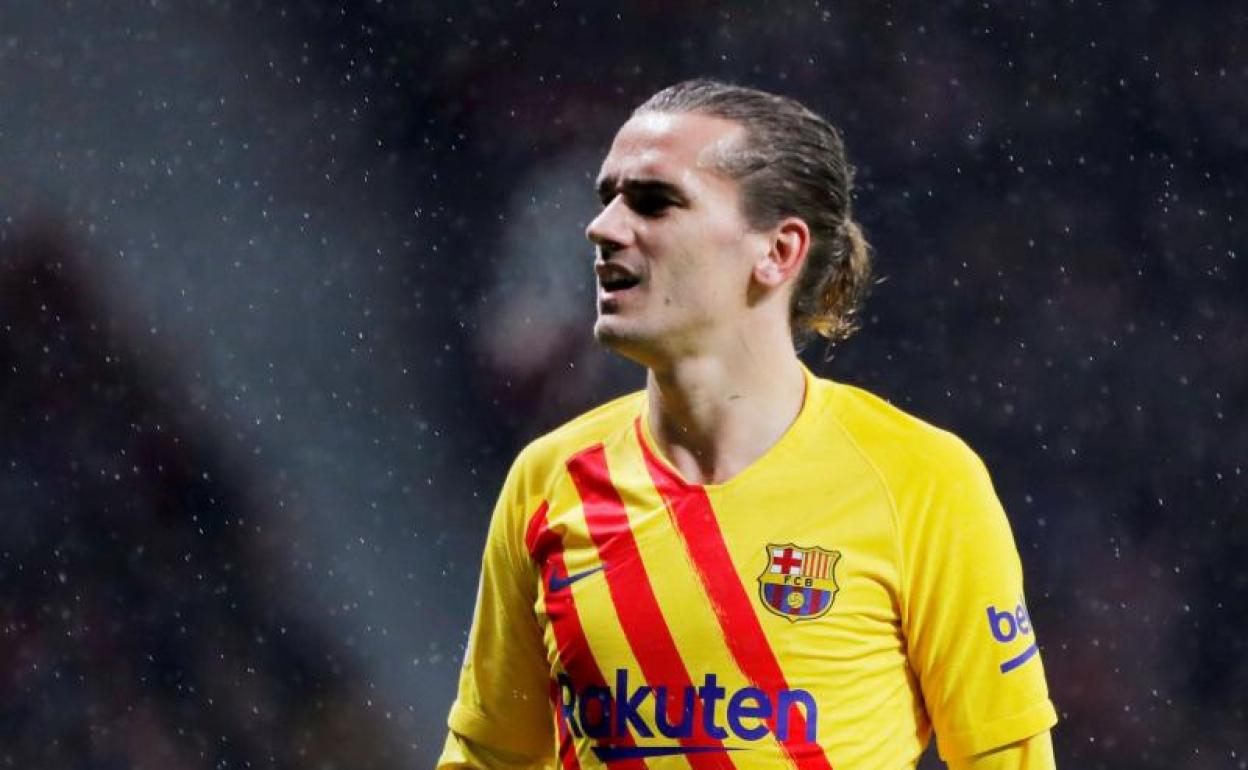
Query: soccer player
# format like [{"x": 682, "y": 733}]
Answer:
[{"x": 743, "y": 565}]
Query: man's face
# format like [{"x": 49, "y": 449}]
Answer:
[{"x": 674, "y": 251}]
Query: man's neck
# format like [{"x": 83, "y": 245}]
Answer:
[{"x": 713, "y": 416}]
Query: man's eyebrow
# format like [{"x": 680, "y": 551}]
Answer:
[{"x": 609, "y": 186}]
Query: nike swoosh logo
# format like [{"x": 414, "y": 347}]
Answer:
[{"x": 558, "y": 584}]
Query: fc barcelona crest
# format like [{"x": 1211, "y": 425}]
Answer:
[{"x": 798, "y": 583}]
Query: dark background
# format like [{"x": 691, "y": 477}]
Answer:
[{"x": 284, "y": 286}]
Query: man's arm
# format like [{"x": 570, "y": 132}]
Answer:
[
  {"x": 502, "y": 709},
  {"x": 1034, "y": 753},
  {"x": 968, "y": 634}
]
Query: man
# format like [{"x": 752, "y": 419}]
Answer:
[{"x": 743, "y": 566}]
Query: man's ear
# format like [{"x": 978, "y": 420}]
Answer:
[{"x": 789, "y": 245}]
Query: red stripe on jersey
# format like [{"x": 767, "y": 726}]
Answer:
[
  {"x": 635, "y": 604},
  {"x": 546, "y": 549},
  {"x": 695, "y": 520},
  {"x": 567, "y": 746},
  {"x": 536, "y": 529}
]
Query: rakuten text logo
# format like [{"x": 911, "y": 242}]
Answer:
[{"x": 747, "y": 713}]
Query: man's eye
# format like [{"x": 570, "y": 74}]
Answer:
[{"x": 649, "y": 205}]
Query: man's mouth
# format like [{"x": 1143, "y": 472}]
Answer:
[
  {"x": 614, "y": 279},
  {"x": 618, "y": 283}
]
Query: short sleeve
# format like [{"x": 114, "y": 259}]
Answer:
[
  {"x": 968, "y": 634},
  {"x": 504, "y": 685}
]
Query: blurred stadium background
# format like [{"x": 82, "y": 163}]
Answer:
[{"x": 284, "y": 286}]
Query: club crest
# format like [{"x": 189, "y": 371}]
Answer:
[{"x": 798, "y": 583}]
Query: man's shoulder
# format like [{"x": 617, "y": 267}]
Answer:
[
  {"x": 929, "y": 476},
  {"x": 589, "y": 429},
  {"x": 895, "y": 441}
]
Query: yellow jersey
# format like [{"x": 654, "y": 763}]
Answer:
[{"x": 852, "y": 589}]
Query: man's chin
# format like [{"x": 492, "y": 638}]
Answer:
[
  {"x": 607, "y": 331},
  {"x": 619, "y": 337}
]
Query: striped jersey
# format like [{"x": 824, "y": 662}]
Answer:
[{"x": 852, "y": 589}]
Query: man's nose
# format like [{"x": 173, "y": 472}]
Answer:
[{"x": 610, "y": 230}]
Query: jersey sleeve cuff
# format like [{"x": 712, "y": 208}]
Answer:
[
  {"x": 476, "y": 727},
  {"x": 1001, "y": 732}
]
